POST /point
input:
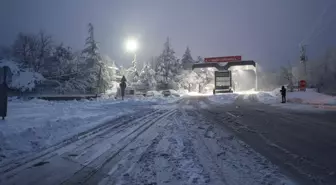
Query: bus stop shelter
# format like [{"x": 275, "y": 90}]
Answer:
[{"x": 229, "y": 64}]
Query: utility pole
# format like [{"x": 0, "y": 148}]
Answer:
[{"x": 303, "y": 59}]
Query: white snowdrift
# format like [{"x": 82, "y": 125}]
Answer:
[
  {"x": 26, "y": 80},
  {"x": 311, "y": 97},
  {"x": 308, "y": 97},
  {"x": 198, "y": 94},
  {"x": 22, "y": 79},
  {"x": 224, "y": 98},
  {"x": 32, "y": 125}
]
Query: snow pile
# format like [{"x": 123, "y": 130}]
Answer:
[
  {"x": 268, "y": 97},
  {"x": 23, "y": 79},
  {"x": 13, "y": 66},
  {"x": 198, "y": 94},
  {"x": 26, "y": 80},
  {"x": 35, "y": 124},
  {"x": 307, "y": 97},
  {"x": 311, "y": 97},
  {"x": 224, "y": 98}
]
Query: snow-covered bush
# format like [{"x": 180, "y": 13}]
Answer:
[{"x": 23, "y": 79}]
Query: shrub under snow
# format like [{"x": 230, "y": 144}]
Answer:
[{"x": 21, "y": 79}]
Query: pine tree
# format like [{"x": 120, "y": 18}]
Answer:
[
  {"x": 96, "y": 73},
  {"x": 91, "y": 50},
  {"x": 132, "y": 74},
  {"x": 167, "y": 68},
  {"x": 187, "y": 59}
]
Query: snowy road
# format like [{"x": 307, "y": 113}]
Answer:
[
  {"x": 193, "y": 141},
  {"x": 302, "y": 143}
]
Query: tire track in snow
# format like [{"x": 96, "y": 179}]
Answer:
[
  {"x": 170, "y": 159},
  {"x": 91, "y": 173},
  {"x": 208, "y": 157},
  {"x": 8, "y": 167},
  {"x": 297, "y": 163},
  {"x": 233, "y": 157},
  {"x": 57, "y": 150}
]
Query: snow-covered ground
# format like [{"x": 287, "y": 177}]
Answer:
[
  {"x": 297, "y": 100},
  {"x": 224, "y": 98},
  {"x": 169, "y": 146},
  {"x": 36, "y": 124}
]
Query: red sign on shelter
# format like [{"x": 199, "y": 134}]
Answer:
[{"x": 223, "y": 59}]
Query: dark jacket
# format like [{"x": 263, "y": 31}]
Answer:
[
  {"x": 283, "y": 91},
  {"x": 122, "y": 85},
  {"x": 3, "y": 99}
]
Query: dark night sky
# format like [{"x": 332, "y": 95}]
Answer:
[{"x": 267, "y": 31}]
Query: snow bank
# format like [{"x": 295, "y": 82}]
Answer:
[
  {"x": 268, "y": 97},
  {"x": 35, "y": 124},
  {"x": 311, "y": 97},
  {"x": 224, "y": 98},
  {"x": 23, "y": 79},
  {"x": 308, "y": 97},
  {"x": 26, "y": 80},
  {"x": 13, "y": 66},
  {"x": 198, "y": 94}
]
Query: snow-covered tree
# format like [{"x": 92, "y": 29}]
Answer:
[
  {"x": 322, "y": 72},
  {"x": 111, "y": 67},
  {"x": 167, "y": 68},
  {"x": 95, "y": 67},
  {"x": 91, "y": 50},
  {"x": 206, "y": 76},
  {"x": 122, "y": 71},
  {"x": 147, "y": 77},
  {"x": 199, "y": 60},
  {"x": 187, "y": 59},
  {"x": 287, "y": 75},
  {"x": 190, "y": 80},
  {"x": 61, "y": 62},
  {"x": 132, "y": 74},
  {"x": 44, "y": 46},
  {"x": 25, "y": 49},
  {"x": 32, "y": 51}
]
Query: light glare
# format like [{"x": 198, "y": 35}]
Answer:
[{"x": 131, "y": 45}]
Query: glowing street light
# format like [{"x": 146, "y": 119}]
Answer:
[{"x": 131, "y": 45}]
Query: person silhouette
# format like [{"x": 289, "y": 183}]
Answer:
[
  {"x": 122, "y": 87},
  {"x": 283, "y": 94}
]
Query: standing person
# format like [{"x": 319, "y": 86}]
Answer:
[
  {"x": 3, "y": 95},
  {"x": 283, "y": 94},
  {"x": 122, "y": 87}
]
